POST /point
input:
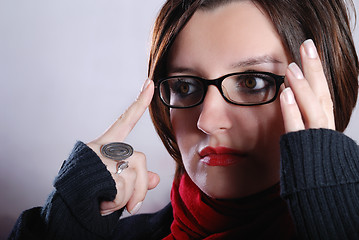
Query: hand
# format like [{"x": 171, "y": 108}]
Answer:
[
  {"x": 306, "y": 102},
  {"x": 133, "y": 182}
]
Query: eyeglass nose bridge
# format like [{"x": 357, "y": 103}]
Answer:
[
  {"x": 215, "y": 82},
  {"x": 279, "y": 80}
]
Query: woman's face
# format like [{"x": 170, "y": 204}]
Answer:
[{"x": 229, "y": 151}]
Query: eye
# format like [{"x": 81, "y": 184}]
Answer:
[
  {"x": 250, "y": 83},
  {"x": 181, "y": 91},
  {"x": 250, "y": 88},
  {"x": 185, "y": 87},
  {"x": 254, "y": 82}
]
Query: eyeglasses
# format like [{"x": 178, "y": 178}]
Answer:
[{"x": 243, "y": 88}]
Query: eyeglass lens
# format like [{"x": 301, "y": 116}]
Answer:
[{"x": 243, "y": 88}]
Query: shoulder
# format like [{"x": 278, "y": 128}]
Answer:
[
  {"x": 28, "y": 225},
  {"x": 145, "y": 226}
]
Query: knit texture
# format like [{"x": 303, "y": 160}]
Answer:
[
  {"x": 149, "y": 226},
  {"x": 319, "y": 180},
  {"x": 72, "y": 210}
]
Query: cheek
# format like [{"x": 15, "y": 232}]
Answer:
[
  {"x": 258, "y": 129},
  {"x": 274, "y": 123},
  {"x": 270, "y": 128},
  {"x": 184, "y": 124}
]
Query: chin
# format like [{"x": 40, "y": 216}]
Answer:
[
  {"x": 233, "y": 187},
  {"x": 226, "y": 190},
  {"x": 223, "y": 195}
]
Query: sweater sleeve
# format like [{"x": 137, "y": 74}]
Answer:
[
  {"x": 320, "y": 182},
  {"x": 72, "y": 210}
]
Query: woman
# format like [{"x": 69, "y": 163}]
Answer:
[{"x": 236, "y": 128}]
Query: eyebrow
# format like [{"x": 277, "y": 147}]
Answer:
[
  {"x": 181, "y": 70},
  {"x": 256, "y": 61},
  {"x": 240, "y": 64}
]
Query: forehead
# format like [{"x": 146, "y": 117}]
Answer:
[{"x": 225, "y": 35}]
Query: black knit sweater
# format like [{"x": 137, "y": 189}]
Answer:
[{"x": 319, "y": 181}]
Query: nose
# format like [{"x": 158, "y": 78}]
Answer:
[{"x": 215, "y": 113}]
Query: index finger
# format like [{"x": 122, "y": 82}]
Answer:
[
  {"x": 125, "y": 123},
  {"x": 314, "y": 73},
  {"x": 313, "y": 69}
]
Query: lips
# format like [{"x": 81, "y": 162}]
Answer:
[{"x": 220, "y": 156}]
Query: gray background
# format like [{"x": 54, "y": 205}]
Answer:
[{"x": 68, "y": 69}]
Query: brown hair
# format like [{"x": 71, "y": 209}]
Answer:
[{"x": 326, "y": 22}]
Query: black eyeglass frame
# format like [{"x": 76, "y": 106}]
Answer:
[{"x": 279, "y": 80}]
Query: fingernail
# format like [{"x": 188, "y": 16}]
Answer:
[
  {"x": 106, "y": 213},
  {"x": 136, "y": 208},
  {"x": 310, "y": 48},
  {"x": 145, "y": 84},
  {"x": 288, "y": 96},
  {"x": 293, "y": 67}
]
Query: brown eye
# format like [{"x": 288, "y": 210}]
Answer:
[
  {"x": 184, "y": 88},
  {"x": 250, "y": 83}
]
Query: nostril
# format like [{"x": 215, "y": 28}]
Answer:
[
  {"x": 215, "y": 113},
  {"x": 203, "y": 130}
]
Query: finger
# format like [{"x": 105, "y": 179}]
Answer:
[
  {"x": 134, "y": 204},
  {"x": 125, "y": 185},
  {"x": 153, "y": 180},
  {"x": 131, "y": 184},
  {"x": 136, "y": 200},
  {"x": 312, "y": 68},
  {"x": 292, "y": 117},
  {"x": 141, "y": 184},
  {"x": 125, "y": 123},
  {"x": 310, "y": 108},
  {"x": 314, "y": 73}
]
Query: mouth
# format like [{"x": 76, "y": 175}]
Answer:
[{"x": 220, "y": 156}]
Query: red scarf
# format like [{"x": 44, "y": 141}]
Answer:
[{"x": 197, "y": 216}]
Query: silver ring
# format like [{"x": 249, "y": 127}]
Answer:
[
  {"x": 117, "y": 151},
  {"x": 122, "y": 165}
]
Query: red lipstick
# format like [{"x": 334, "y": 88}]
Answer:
[{"x": 220, "y": 156}]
